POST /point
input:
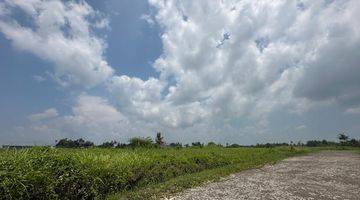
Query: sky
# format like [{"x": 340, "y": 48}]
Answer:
[{"x": 228, "y": 71}]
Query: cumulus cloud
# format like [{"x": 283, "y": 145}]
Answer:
[
  {"x": 148, "y": 19},
  {"x": 39, "y": 78},
  {"x": 91, "y": 117},
  {"x": 332, "y": 72},
  {"x": 225, "y": 66},
  {"x": 234, "y": 62},
  {"x": 47, "y": 114},
  {"x": 63, "y": 34}
]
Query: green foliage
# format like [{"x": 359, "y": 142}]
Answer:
[
  {"x": 353, "y": 143},
  {"x": 159, "y": 140},
  {"x": 68, "y": 143},
  {"x": 343, "y": 137},
  {"x": 175, "y": 145},
  {"x": 197, "y": 144},
  {"x": 88, "y": 173},
  {"x": 141, "y": 142},
  {"x": 344, "y": 142},
  {"x": 211, "y": 144},
  {"x": 110, "y": 144}
]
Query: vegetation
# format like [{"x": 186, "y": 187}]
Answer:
[
  {"x": 79, "y": 143},
  {"x": 141, "y": 169},
  {"x": 159, "y": 140},
  {"x": 139, "y": 142},
  {"x": 189, "y": 180},
  {"x": 343, "y": 141},
  {"x": 87, "y": 173},
  {"x": 110, "y": 144}
]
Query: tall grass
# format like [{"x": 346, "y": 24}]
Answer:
[{"x": 45, "y": 173}]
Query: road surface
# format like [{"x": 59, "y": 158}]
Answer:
[{"x": 323, "y": 175}]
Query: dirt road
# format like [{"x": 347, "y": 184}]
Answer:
[{"x": 323, "y": 175}]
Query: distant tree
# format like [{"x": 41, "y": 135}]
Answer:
[
  {"x": 68, "y": 143},
  {"x": 197, "y": 144},
  {"x": 110, "y": 144},
  {"x": 354, "y": 143},
  {"x": 234, "y": 146},
  {"x": 318, "y": 143},
  {"x": 63, "y": 143},
  {"x": 175, "y": 145},
  {"x": 268, "y": 145},
  {"x": 159, "y": 140},
  {"x": 211, "y": 144},
  {"x": 343, "y": 138},
  {"x": 121, "y": 145},
  {"x": 324, "y": 143},
  {"x": 141, "y": 142},
  {"x": 79, "y": 142},
  {"x": 313, "y": 143},
  {"x": 88, "y": 144}
]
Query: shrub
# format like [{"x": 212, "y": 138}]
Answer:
[
  {"x": 141, "y": 142},
  {"x": 175, "y": 145},
  {"x": 197, "y": 144},
  {"x": 68, "y": 143}
]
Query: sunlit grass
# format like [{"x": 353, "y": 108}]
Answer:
[{"x": 45, "y": 173}]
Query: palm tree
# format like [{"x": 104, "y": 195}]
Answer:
[
  {"x": 343, "y": 138},
  {"x": 159, "y": 140}
]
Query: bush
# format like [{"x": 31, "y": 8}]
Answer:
[
  {"x": 141, "y": 142},
  {"x": 175, "y": 145},
  {"x": 68, "y": 143},
  {"x": 197, "y": 144}
]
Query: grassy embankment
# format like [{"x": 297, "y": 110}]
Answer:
[{"x": 44, "y": 173}]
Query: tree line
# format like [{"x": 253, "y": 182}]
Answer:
[{"x": 159, "y": 142}]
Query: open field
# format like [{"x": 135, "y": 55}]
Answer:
[{"x": 45, "y": 173}]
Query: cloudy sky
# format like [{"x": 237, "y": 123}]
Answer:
[{"x": 228, "y": 71}]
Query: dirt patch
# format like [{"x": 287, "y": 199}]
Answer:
[{"x": 323, "y": 175}]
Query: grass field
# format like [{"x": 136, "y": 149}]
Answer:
[{"x": 45, "y": 173}]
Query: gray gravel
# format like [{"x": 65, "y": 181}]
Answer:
[{"x": 323, "y": 175}]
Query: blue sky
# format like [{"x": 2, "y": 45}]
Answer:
[
  {"x": 113, "y": 69},
  {"x": 133, "y": 45}
]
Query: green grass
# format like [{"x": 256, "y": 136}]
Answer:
[{"x": 44, "y": 173}]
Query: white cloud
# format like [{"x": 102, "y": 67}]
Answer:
[
  {"x": 300, "y": 127},
  {"x": 148, "y": 19},
  {"x": 47, "y": 114},
  {"x": 268, "y": 51},
  {"x": 62, "y": 34},
  {"x": 225, "y": 67},
  {"x": 91, "y": 117},
  {"x": 190, "y": 56},
  {"x": 39, "y": 78}
]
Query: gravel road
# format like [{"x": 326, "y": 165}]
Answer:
[{"x": 323, "y": 175}]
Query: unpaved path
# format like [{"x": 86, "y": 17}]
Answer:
[{"x": 323, "y": 175}]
